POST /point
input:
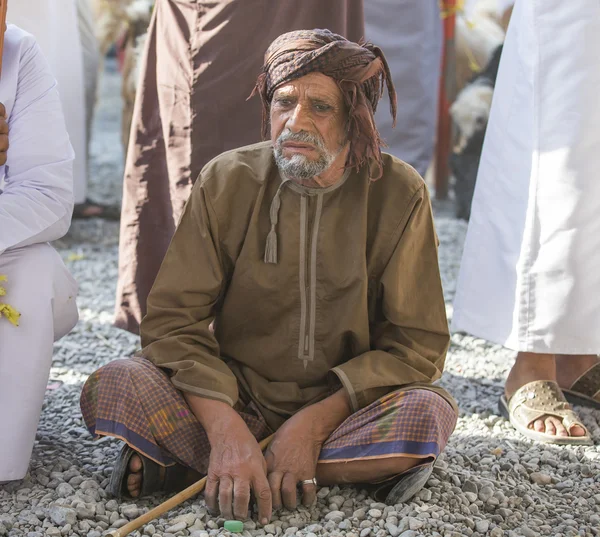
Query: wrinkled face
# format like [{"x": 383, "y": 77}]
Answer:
[{"x": 308, "y": 120}]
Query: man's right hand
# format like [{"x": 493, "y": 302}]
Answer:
[{"x": 236, "y": 464}]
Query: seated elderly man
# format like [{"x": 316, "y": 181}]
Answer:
[
  {"x": 315, "y": 257},
  {"x": 36, "y": 201}
]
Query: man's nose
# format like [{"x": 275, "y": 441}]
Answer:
[{"x": 299, "y": 119}]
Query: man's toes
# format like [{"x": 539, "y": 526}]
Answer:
[
  {"x": 135, "y": 463},
  {"x": 554, "y": 427},
  {"x": 134, "y": 479},
  {"x": 134, "y": 484},
  {"x": 577, "y": 430},
  {"x": 539, "y": 426}
]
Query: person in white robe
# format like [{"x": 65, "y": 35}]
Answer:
[
  {"x": 529, "y": 277},
  {"x": 65, "y": 31},
  {"x": 36, "y": 203},
  {"x": 411, "y": 34}
]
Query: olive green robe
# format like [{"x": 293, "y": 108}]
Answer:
[{"x": 354, "y": 301}]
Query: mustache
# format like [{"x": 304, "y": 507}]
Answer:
[{"x": 301, "y": 137}]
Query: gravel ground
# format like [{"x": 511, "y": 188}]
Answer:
[{"x": 490, "y": 481}]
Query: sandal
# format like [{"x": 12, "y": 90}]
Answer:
[
  {"x": 585, "y": 391},
  {"x": 537, "y": 399},
  {"x": 400, "y": 489},
  {"x": 155, "y": 478},
  {"x": 107, "y": 212}
]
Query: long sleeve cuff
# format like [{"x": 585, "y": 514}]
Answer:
[
  {"x": 214, "y": 381},
  {"x": 374, "y": 374}
]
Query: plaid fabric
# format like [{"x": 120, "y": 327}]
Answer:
[
  {"x": 415, "y": 423},
  {"x": 135, "y": 401}
]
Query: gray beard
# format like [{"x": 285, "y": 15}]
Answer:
[{"x": 300, "y": 167}]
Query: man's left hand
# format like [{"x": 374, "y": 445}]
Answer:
[
  {"x": 294, "y": 453},
  {"x": 292, "y": 458},
  {"x": 3, "y": 135}
]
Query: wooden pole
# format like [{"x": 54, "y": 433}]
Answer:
[
  {"x": 171, "y": 503},
  {"x": 3, "y": 8},
  {"x": 447, "y": 93}
]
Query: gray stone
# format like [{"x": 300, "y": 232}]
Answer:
[
  {"x": 149, "y": 529},
  {"x": 482, "y": 526},
  {"x": 130, "y": 511},
  {"x": 496, "y": 532},
  {"x": 62, "y": 515},
  {"x": 375, "y": 513},
  {"x": 470, "y": 486},
  {"x": 392, "y": 529},
  {"x": 84, "y": 513},
  {"x": 486, "y": 493},
  {"x": 176, "y": 527},
  {"x": 471, "y": 496},
  {"x": 323, "y": 493},
  {"x": 425, "y": 495},
  {"x": 335, "y": 516},
  {"x": 64, "y": 490},
  {"x": 89, "y": 484},
  {"x": 527, "y": 532},
  {"x": 270, "y": 528},
  {"x": 364, "y": 532},
  {"x": 415, "y": 523},
  {"x": 119, "y": 523},
  {"x": 338, "y": 500},
  {"x": 359, "y": 514},
  {"x": 409, "y": 533},
  {"x": 94, "y": 533},
  {"x": 112, "y": 505}
]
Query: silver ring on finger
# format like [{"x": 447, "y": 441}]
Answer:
[{"x": 312, "y": 481}]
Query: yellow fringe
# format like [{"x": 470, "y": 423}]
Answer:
[
  {"x": 458, "y": 8},
  {"x": 5, "y": 309}
]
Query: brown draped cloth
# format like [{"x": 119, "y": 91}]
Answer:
[
  {"x": 200, "y": 64},
  {"x": 360, "y": 70}
]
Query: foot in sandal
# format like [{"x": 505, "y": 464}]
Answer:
[
  {"x": 135, "y": 475},
  {"x": 535, "y": 404}
]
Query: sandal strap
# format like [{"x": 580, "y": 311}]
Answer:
[
  {"x": 542, "y": 398},
  {"x": 588, "y": 384}
]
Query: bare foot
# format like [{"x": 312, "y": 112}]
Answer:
[
  {"x": 569, "y": 367},
  {"x": 134, "y": 479},
  {"x": 530, "y": 367}
]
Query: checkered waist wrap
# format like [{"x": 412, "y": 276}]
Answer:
[{"x": 135, "y": 401}]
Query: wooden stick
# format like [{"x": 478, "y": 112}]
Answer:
[
  {"x": 171, "y": 503},
  {"x": 3, "y": 8}
]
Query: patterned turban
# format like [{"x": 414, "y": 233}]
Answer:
[{"x": 360, "y": 71}]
